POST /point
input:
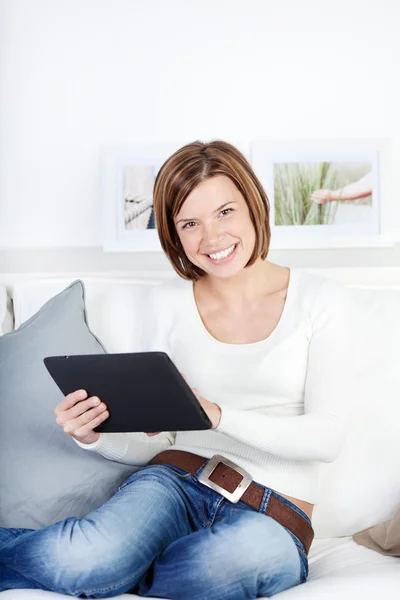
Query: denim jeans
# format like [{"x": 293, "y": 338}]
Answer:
[{"x": 162, "y": 534}]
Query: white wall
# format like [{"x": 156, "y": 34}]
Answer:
[{"x": 76, "y": 75}]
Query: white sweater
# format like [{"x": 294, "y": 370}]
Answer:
[{"x": 281, "y": 398}]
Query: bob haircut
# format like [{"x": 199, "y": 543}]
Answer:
[{"x": 182, "y": 172}]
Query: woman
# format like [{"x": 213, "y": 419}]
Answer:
[{"x": 264, "y": 350}]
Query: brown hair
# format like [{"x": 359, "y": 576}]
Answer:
[{"x": 182, "y": 172}]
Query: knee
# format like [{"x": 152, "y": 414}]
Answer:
[
  {"x": 268, "y": 561},
  {"x": 263, "y": 560},
  {"x": 92, "y": 564}
]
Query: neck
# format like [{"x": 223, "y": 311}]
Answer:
[{"x": 247, "y": 285}]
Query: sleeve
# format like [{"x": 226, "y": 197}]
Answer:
[
  {"x": 130, "y": 448},
  {"x": 319, "y": 433},
  {"x": 138, "y": 448}
]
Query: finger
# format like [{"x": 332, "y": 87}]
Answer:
[
  {"x": 70, "y": 400},
  {"x": 83, "y": 406},
  {"x": 80, "y": 408},
  {"x": 153, "y": 433},
  {"x": 193, "y": 389},
  {"x": 83, "y": 431},
  {"x": 317, "y": 200},
  {"x": 72, "y": 425}
]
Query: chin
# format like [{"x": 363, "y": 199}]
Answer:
[{"x": 227, "y": 272}]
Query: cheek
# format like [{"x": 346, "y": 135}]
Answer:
[
  {"x": 188, "y": 242},
  {"x": 252, "y": 232}
]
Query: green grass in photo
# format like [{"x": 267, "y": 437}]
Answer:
[{"x": 293, "y": 185}]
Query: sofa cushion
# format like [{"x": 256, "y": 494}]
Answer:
[
  {"x": 45, "y": 476},
  {"x": 6, "y": 314},
  {"x": 115, "y": 306},
  {"x": 361, "y": 488}
]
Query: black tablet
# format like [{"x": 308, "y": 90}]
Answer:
[{"x": 143, "y": 391}]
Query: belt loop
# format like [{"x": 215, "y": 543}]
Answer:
[{"x": 265, "y": 500}]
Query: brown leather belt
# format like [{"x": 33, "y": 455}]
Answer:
[{"x": 230, "y": 480}]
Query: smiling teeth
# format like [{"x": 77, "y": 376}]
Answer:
[{"x": 223, "y": 254}]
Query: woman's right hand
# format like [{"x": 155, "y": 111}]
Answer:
[
  {"x": 79, "y": 415},
  {"x": 322, "y": 196}
]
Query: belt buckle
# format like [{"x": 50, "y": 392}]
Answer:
[{"x": 206, "y": 471}]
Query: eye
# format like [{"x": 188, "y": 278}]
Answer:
[
  {"x": 226, "y": 211},
  {"x": 189, "y": 225}
]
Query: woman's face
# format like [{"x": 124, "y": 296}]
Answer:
[{"x": 215, "y": 228}]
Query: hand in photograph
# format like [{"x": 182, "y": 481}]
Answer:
[{"x": 352, "y": 191}]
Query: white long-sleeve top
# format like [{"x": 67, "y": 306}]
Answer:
[{"x": 282, "y": 398}]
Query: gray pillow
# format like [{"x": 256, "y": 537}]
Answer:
[{"x": 44, "y": 475}]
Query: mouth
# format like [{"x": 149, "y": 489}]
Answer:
[{"x": 224, "y": 255}]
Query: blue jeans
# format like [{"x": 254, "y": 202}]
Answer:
[{"x": 162, "y": 534}]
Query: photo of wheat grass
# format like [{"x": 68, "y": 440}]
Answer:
[{"x": 296, "y": 183}]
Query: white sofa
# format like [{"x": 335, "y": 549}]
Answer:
[{"x": 360, "y": 489}]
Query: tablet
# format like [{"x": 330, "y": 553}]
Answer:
[{"x": 143, "y": 391}]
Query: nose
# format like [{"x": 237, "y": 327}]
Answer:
[{"x": 212, "y": 234}]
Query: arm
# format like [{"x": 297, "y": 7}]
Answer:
[
  {"x": 352, "y": 191},
  {"x": 130, "y": 448},
  {"x": 318, "y": 434}
]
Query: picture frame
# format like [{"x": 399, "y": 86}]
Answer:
[
  {"x": 126, "y": 197},
  {"x": 296, "y": 175}
]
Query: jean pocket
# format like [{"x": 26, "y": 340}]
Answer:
[
  {"x": 302, "y": 554},
  {"x": 170, "y": 468}
]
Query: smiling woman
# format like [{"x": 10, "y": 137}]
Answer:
[
  {"x": 264, "y": 350},
  {"x": 216, "y": 235},
  {"x": 212, "y": 190}
]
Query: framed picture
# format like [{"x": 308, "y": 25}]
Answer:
[
  {"x": 128, "y": 175},
  {"x": 326, "y": 193}
]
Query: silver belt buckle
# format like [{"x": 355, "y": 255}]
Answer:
[{"x": 205, "y": 473}]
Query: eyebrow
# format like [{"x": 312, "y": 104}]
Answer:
[{"x": 216, "y": 210}]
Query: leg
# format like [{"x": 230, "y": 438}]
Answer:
[
  {"x": 244, "y": 554},
  {"x": 9, "y": 534},
  {"x": 7, "y": 577},
  {"x": 108, "y": 551}
]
